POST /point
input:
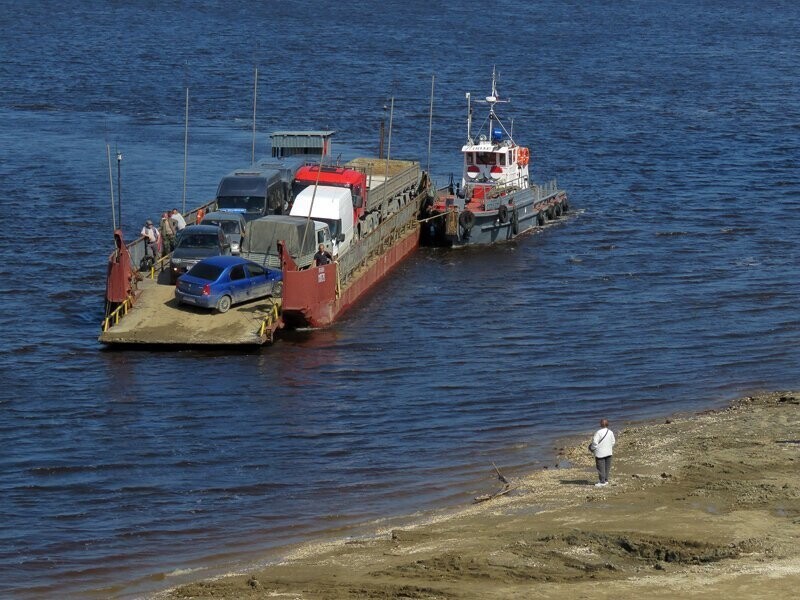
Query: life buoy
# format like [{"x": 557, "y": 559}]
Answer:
[
  {"x": 467, "y": 220},
  {"x": 502, "y": 213},
  {"x": 523, "y": 157}
]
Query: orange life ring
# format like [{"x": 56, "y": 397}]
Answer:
[{"x": 523, "y": 157}]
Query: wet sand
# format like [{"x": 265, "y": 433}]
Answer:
[{"x": 701, "y": 506}]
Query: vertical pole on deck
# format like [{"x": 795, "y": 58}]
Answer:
[
  {"x": 185, "y": 148},
  {"x": 111, "y": 185},
  {"x": 389, "y": 144},
  {"x": 119, "y": 187},
  {"x": 430, "y": 125},
  {"x": 255, "y": 97},
  {"x": 382, "y": 134}
]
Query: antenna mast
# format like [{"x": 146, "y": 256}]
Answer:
[{"x": 469, "y": 119}]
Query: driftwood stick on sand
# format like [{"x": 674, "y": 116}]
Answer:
[{"x": 501, "y": 492}]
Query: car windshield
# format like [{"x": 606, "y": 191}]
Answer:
[
  {"x": 227, "y": 226},
  {"x": 198, "y": 240},
  {"x": 205, "y": 271}
]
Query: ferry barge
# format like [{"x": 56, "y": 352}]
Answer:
[
  {"x": 495, "y": 200},
  {"x": 385, "y": 197}
]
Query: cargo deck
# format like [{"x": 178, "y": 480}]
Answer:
[{"x": 156, "y": 318}]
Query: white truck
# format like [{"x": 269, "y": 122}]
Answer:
[{"x": 332, "y": 206}]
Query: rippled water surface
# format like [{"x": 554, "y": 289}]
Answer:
[{"x": 675, "y": 127}]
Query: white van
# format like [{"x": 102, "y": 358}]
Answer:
[{"x": 331, "y": 205}]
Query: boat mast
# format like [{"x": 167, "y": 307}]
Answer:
[
  {"x": 491, "y": 100},
  {"x": 469, "y": 119}
]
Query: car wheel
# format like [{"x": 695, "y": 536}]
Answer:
[{"x": 224, "y": 304}]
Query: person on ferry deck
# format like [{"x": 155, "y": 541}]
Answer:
[
  {"x": 177, "y": 217},
  {"x": 152, "y": 237},
  {"x": 322, "y": 257},
  {"x": 167, "y": 226}
]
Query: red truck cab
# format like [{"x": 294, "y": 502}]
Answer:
[{"x": 353, "y": 179}]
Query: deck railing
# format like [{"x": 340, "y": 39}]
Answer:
[{"x": 362, "y": 251}]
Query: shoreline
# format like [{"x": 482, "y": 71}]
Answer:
[{"x": 702, "y": 504}]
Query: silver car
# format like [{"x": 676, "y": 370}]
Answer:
[{"x": 232, "y": 224}]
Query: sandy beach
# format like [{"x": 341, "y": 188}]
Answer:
[{"x": 703, "y": 506}]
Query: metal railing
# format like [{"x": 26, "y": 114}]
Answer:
[
  {"x": 377, "y": 240},
  {"x": 544, "y": 192},
  {"x": 114, "y": 316},
  {"x": 138, "y": 248},
  {"x": 271, "y": 318}
]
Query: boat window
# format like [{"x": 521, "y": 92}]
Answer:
[
  {"x": 237, "y": 273},
  {"x": 502, "y": 160},
  {"x": 470, "y": 158},
  {"x": 485, "y": 158},
  {"x": 205, "y": 271}
]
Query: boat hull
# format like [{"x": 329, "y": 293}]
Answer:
[
  {"x": 312, "y": 298},
  {"x": 524, "y": 212}
]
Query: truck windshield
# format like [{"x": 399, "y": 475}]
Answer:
[
  {"x": 242, "y": 203},
  {"x": 335, "y": 225}
]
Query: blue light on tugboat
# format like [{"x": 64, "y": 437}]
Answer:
[{"x": 497, "y": 134}]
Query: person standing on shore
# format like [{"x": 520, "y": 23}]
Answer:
[{"x": 602, "y": 443}]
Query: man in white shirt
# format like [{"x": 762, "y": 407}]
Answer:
[
  {"x": 177, "y": 217},
  {"x": 603, "y": 441}
]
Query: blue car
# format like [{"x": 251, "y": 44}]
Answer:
[{"x": 221, "y": 281}]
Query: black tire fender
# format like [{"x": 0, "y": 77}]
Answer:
[
  {"x": 502, "y": 213},
  {"x": 467, "y": 220}
]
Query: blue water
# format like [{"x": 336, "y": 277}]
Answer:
[{"x": 674, "y": 284}]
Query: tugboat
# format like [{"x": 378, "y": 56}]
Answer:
[{"x": 495, "y": 200}]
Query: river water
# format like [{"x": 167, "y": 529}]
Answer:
[{"x": 673, "y": 285}]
